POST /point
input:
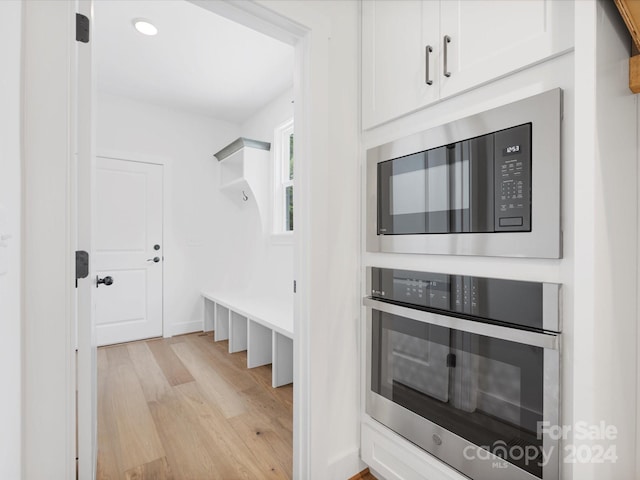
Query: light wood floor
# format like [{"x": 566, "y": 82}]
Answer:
[
  {"x": 364, "y": 475},
  {"x": 184, "y": 408}
]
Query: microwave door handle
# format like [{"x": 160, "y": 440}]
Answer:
[
  {"x": 542, "y": 340},
  {"x": 456, "y": 198},
  {"x": 481, "y": 184},
  {"x": 467, "y": 207}
]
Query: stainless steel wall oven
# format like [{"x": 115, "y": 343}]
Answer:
[
  {"x": 488, "y": 184},
  {"x": 467, "y": 368}
]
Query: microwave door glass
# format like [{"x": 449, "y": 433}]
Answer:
[
  {"x": 415, "y": 193},
  {"x": 444, "y": 190},
  {"x": 424, "y": 192}
]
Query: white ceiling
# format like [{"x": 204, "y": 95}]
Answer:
[{"x": 198, "y": 61}]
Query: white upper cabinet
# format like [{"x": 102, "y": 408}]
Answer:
[
  {"x": 395, "y": 36},
  {"x": 492, "y": 38},
  {"x": 476, "y": 40}
]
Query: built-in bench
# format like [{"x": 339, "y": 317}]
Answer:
[{"x": 261, "y": 326}]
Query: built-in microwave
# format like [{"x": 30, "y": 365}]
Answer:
[
  {"x": 468, "y": 369},
  {"x": 488, "y": 185}
]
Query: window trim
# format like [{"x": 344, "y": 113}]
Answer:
[{"x": 281, "y": 136}]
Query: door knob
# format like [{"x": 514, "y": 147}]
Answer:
[
  {"x": 154, "y": 259},
  {"x": 104, "y": 281}
]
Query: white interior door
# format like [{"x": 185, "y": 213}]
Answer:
[{"x": 129, "y": 250}]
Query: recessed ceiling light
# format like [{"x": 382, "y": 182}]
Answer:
[{"x": 145, "y": 26}]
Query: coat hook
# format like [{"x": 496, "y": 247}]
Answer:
[{"x": 244, "y": 196}]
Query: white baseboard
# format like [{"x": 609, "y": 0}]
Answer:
[
  {"x": 185, "y": 327},
  {"x": 346, "y": 466}
]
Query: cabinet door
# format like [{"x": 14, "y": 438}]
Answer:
[
  {"x": 395, "y": 35},
  {"x": 491, "y": 38}
]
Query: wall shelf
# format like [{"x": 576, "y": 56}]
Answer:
[{"x": 244, "y": 172}]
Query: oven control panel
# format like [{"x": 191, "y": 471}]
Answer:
[{"x": 507, "y": 301}]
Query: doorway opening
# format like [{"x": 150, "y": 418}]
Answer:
[{"x": 159, "y": 103}]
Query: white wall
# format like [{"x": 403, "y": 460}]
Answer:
[
  {"x": 603, "y": 351},
  {"x": 328, "y": 342},
  {"x": 272, "y": 272},
  {"x": 195, "y": 235},
  {"x": 10, "y": 181}
]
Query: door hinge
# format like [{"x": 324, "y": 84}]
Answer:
[
  {"x": 451, "y": 360},
  {"x": 294, "y": 286},
  {"x": 82, "y": 265},
  {"x": 82, "y": 28}
]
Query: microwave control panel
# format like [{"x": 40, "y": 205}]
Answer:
[{"x": 512, "y": 162}]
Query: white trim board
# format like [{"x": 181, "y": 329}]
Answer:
[
  {"x": 183, "y": 328},
  {"x": 48, "y": 355}
]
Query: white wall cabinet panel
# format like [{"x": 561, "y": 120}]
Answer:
[
  {"x": 415, "y": 53},
  {"x": 12, "y": 341},
  {"x": 492, "y": 38},
  {"x": 395, "y": 35},
  {"x": 394, "y": 458}
]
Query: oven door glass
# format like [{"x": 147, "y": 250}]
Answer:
[
  {"x": 444, "y": 190},
  {"x": 486, "y": 390}
]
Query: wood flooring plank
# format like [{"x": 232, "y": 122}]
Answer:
[
  {"x": 226, "y": 423},
  {"x": 282, "y": 395},
  {"x": 152, "y": 379},
  {"x": 184, "y": 441},
  {"x": 229, "y": 365},
  {"x": 263, "y": 403},
  {"x": 217, "y": 390},
  {"x": 233, "y": 459},
  {"x": 136, "y": 433},
  {"x": 272, "y": 431},
  {"x": 259, "y": 438},
  {"x": 109, "y": 458},
  {"x": 241, "y": 377},
  {"x": 157, "y": 470},
  {"x": 173, "y": 369},
  {"x": 285, "y": 395},
  {"x": 363, "y": 475},
  {"x": 224, "y": 363}
]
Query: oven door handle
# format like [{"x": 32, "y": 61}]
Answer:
[{"x": 543, "y": 340}]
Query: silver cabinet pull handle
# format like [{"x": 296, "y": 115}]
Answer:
[
  {"x": 427, "y": 52},
  {"x": 447, "y": 41}
]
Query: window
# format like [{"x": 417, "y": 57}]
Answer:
[{"x": 283, "y": 178}]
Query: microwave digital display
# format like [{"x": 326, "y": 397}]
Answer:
[{"x": 511, "y": 150}]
